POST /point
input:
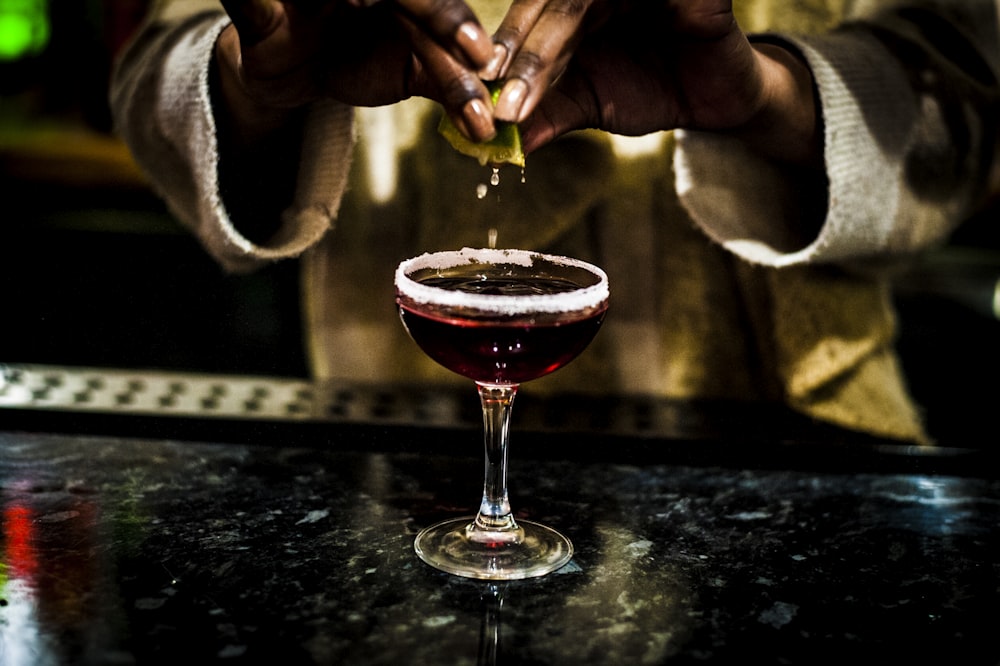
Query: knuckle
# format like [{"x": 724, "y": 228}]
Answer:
[
  {"x": 446, "y": 15},
  {"x": 460, "y": 89},
  {"x": 509, "y": 36},
  {"x": 527, "y": 64},
  {"x": 572, "y": 9}
]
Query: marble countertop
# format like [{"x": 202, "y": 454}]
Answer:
[{"x": 166, "y": 550}]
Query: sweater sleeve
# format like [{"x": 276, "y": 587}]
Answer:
[
  {"x": 909, "y": 104},
  {"x": 161, "y": 100}
]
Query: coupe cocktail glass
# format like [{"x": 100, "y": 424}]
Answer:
[{"x": 500, "y": 318}]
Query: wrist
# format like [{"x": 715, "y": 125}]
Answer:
[
  {"x": 240, "y": 116},
  {"x": 258, "y": 147},
  {"x": 787, "y": 126}
]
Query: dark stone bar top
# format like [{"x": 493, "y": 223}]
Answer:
[{"x": 152, "y": 539}]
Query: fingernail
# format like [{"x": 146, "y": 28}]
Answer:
[
  {"x": 511, "y": 100},
  {"x": 478, "y": 120},
  {"x": 474, "y": 42},
  {"x": 493, "y": 69}
]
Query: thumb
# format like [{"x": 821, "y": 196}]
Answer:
[
  {"x": 566, "y": 107},
  {"x": 254, "y": 19}
]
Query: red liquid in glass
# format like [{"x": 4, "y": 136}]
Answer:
[{"x": 497, "y": 349}]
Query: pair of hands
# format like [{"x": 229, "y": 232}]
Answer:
[{"x": 623, "y": 66}]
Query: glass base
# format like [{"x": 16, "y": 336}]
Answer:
[{"x": 447, "y": 546}]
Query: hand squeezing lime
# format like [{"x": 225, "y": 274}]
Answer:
[{"x": 504, "y": 148}]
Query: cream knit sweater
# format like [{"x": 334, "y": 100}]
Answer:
[{"x": 714, "y": 294}]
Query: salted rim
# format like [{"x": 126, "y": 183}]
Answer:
[{"x": 569, "y": 301}]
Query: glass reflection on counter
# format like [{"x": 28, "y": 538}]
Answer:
[{"x": 489, "y": 632}]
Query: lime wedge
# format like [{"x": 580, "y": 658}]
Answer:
[{"x": 504, "y": 148}]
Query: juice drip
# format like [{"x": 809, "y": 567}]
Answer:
[
  {"x": 491, "y": 235},
  {"x": 482, "y": 189}
]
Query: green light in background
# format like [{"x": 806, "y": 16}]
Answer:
[{"x": 24, "y": 28}]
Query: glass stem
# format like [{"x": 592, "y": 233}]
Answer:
[{"x": 495, "y": 521}]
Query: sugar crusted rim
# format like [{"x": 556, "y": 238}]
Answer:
[{"x": 570, "y": 301}]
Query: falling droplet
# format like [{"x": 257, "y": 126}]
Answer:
[
  {"x": 495, "y": 177},
  {"x": 481, "y": 189},
  {"x": 491, "y": 236},
  {"x": 523, "y": 179}
]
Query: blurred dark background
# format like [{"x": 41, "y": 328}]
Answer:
[{"x": 97, "y": 273}]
